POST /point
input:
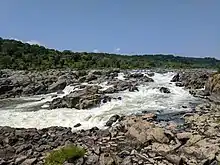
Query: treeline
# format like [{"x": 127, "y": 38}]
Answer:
[{"x": 22, "y": 56}]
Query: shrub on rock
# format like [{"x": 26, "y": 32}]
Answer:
[{"x": 68, "y": 153}]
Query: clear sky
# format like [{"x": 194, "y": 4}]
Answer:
[{"x": 181, "y": 27}]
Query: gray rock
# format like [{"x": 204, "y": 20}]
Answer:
[
  {"x": 133, "y": 89},
  {"x": 7, "y": 153},
  {"x": 110, "y": 90},
  {"x": 176, "y": 78},
  {"x": 29, "y": 161},
  {"x": 92, "y": 159},
  {"x": 136, "y": 75},
  {"x": 91, "y": 77},
  {"x": 20, "y": 159},
  {"x": 59, "y": 85},
  {"x": 127, "y": 161},
  {"x": 164, "y": 90},
  {"x": 179, "y": 84},
  {"x": 23, "y": 147},
  {"x": 112, "y": 119},
  {"x": 77, "y": 125},
  {"x": 184, "y": 135}
]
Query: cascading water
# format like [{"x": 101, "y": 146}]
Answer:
[{"x": 32, "y": 113}]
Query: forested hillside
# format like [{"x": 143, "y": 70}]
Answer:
[{"x": 17, "y": 55}]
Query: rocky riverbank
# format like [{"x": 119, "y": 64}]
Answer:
[
  {"x": 130, "y": 140},
  {"x": 134, "y": 139}
]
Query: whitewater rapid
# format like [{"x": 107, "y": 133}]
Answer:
[{"x": 31, "y": 112}]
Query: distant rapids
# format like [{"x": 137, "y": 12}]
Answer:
[{"x": 32, "y": 112}]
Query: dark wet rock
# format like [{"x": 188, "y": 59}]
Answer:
[
  {"x": 97, "y": 72},
  {"x": 119, "y": 98},
  {"x": 77, "y": 125},
  {"x": 27, "y": 83},
  {"x": 106, "y": 99},
  {"x": 133, "y": 89},
  {"x": 136, "y": 75},
  {"x": 199, "y": 93},
  {"x": 176, "y": 78},
  {"x": 179, "y": 84},
  {"x": 119, "y": 85},
  {"x": 146, "y": 79},
  {"x": 112, "y": 73},
  {"x": 82, "y": 79},
  {"x": 164, "y": 90},
  {"x": 151, "y": 74},
  {"x": 112, "y": 120}
]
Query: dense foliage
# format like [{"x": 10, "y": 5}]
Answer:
[{"x": 18, "y": 55}]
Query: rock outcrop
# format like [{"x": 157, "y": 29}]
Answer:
[
  {"x": 213, "y": 84},
  {"x": 80, "y": 99},
  {"x": 192, "y": 79}
]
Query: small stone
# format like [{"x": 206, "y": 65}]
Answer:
[
  {"x": 124, "y": 154},
  {"x": 140, "y": 162},
  {"x": 183, "y": 135},
  {"x": 157, "y": 147},
  {"x": 19, "y": 160},
  {"x": 133, "y": 152},
  {"x": 77, "y": 125},
  {"x": 127, "y": 161},
  {"x": 193, "y": 139},
  {"x": 152, "y": 154},
  {"x": 171, "y": 126},
  {"x": 149, "y": 116},
  {"x": 135, "y": 159},
  {"x": 164, "y": 90},
  {"x": 218, "y": 157},
  {"x": 29, "y": 161}
]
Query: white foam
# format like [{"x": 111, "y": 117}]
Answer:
[
  {"x": 120, "y": 76},
  {"x": 147, "y": 98}
]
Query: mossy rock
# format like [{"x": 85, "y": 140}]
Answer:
[{"x": 59, "y": 156}]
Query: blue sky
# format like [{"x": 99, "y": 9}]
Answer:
[{"x": 181, "y": 27}]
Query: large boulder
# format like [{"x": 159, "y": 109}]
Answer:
[
  {"x": 91, "y": 77},
  {"x": 143, "y": 131},
  {"x": 59, "y": 85},
  {"x": 176, "y": 78},
  {"x": 136, "y": 75},
  {"x": 82, "y": 99},
  {"x": 5, "y": 85},
  {"x": 146, "y": 79},
  {"x": 34, "y": 89},
  {"x": 213, "y": 84},
  {"x": 192, "y": 79},
  {"x": 212, "y": 88},
  {"x": 112, "y": 119},
  {"x": 112, "y": 73},
  {"x": 119, "y": 85}
]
